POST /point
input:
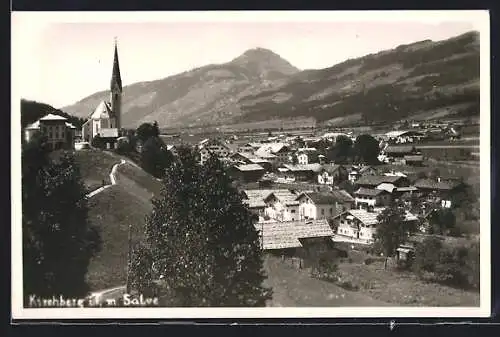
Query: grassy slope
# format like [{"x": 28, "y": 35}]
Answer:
[
  {"x": 113, "y": 210},
  {"x": 95, "y": 166},
  {"x": 294, "y": 287},
  {"x": 401, "y": 288}
]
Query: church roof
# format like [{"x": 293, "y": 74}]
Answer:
[
  {"x": 103, "y": 111},
  {"x": 115, "y": 76}
]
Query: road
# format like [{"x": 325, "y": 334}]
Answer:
[{"x": 447, "y": 146}]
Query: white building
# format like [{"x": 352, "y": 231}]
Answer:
[
  {"x": 105, "y": 121},
  {"x": 282, "y": 205},
  {"x": 59, "y": 133},
  {"x": 361, "y": 224}
]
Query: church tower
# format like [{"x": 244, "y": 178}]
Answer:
[{"x": 116, "y": 91}]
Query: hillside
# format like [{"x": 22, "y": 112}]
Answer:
[
  {"x": 421, "y": 80},
  {"x": 112, "y": 211},
  {"x": 200, "y": 96},
  {"x": 31, "y": 111}
]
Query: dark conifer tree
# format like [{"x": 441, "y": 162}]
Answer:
[
  {"x": 58, "y": 240},
  {"x": 202, "y": 240}
]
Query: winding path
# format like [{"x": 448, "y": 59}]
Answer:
[{"x": 112, "y": 177}]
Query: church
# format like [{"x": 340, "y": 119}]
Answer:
[{"x": 105, "y": 120}]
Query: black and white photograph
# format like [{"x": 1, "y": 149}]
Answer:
[{"x": 265, "y": 164}]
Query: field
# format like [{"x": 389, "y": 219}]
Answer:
[
  {"x": 95, "y": 166},
  {"x": 376, "y": 287},
  {"x": 295, "y": 288},
  {"x": 400, "y": 287},
  {"x": 113, "y": 210}
]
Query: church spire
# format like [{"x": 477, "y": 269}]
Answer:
[{"x": 116, "y": 80}]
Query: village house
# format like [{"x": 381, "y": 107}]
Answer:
[
  {"x": 439, "y": 190},
  {"x": 278, "y": 152},
  {"x": 307, "y": 155},
  {"x": 316, "y": 205},
  {"x": 60, "y": 134},
  {"x": 307, "y": 172},
  {"x": 247, "y": 172},
  {"x": 248, "y": 158},
  {"x": 367, "y": 197},
  {"x": 210, "y": 147},
  {"x": 282, "y": 205},
  {"x": 300, "y": 242},
  {"x": 403, "y": 155},
  {"x": 246, "y": 148},
  {"x": 332, "y": 173},
  {"x": 402, "y": 137},
  {"x": 372, "y": 181},
  {"x": 361, "y": 224},
  {"x": 355, "y": 172},
  {"x": 413, "y": 160},
  {"x": 254, "y": 199},
  {"x": 322, "y": 205}
]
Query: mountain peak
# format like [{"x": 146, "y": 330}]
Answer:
[{"x": 263, "y": 61}]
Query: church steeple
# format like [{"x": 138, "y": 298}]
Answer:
[
  {"x": 116, "y": 92},
  {"x": 116, "y": 80}
]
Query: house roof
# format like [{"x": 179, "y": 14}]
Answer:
[
  {"x": 399, "y": 149},
  {"x": 102, "y": 111},
  {"x": 406, "y": 189},
  {"x": 307, "y": 149},
  {"x": 331, "y": 168},
  {"x": 52, "y": 117},
  {"x": 370, "y": 218},
  {"x": 284, "y": 196},
  {"x": 256, "y": 197},
  {"x": 363, "y": 169},
  {"x": 71, "y": 126},
  {"x": 306, "y": 167},
  {"x": 319, "y": 198},
  {"x": 386, "y": 187},
  {"x": 273, "y": 147},
  {"x": 280, "y": 235},
  {"x": 264, "y": 154},
  {"x": 443, "y": 185},
  {"x": 369, "y": 191},
  {"x": 250, "y": 167},
  {"x": 342, "y": 196},
  {"x": 414, "y": 158},
  {"x": 377, "y": 180},
  {"x": 33, "y": 126}
]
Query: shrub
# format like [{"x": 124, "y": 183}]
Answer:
[
  {"x": 348, "y": 285},
  {"x": 369, "y": 261}
]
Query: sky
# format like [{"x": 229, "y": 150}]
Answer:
[{"x": 59, "y": 59}]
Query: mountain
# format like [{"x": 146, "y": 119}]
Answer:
[
  {"x": 426, "y": 79},
  {"x": 204, "y": 95}
]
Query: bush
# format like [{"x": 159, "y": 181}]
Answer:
[
  {"x": 348, "y": 285},
  {"x": 369, "y": 261}
]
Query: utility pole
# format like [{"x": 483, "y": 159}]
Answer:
[{"x": 129, "y": 258}]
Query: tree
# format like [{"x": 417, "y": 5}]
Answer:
[
  {"x": 393, "y": 230},
  {"x": 146, "y": 131},
  {"x": 443, "y": 222},
  {"x": 341, "y": 151},
  {"x": 202, "y": 239},
  {"x": 427, "y": 255},
  {"x": 155, "y": 158},
  {"x": 58, "y": 239},
  {"x": 366, "y": 149}
]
